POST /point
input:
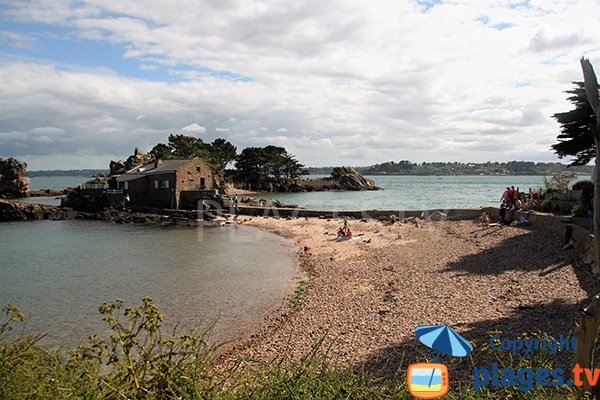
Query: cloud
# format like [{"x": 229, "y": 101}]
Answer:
[
  {"x": 17, "y": 39},
  {"x": 194, "y": 128},
  {"x": 545, "y": 40},
  {"x": 339, "y": 82}
]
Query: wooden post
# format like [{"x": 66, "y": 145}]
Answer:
[{"x": 587, "y": 332}]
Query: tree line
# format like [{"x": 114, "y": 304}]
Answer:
[
  {"x": 257, "y": 168},
  {"x": 405, "y": 167}
]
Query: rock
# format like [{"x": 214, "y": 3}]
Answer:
[
  {"x": 20, "y": 211},
  {"x": 352, "y": 180},
  {"x": 117, "y": 167},
  {"x": 51, "y": 192},
  {"x": 12, "y": 178},
  {"x": 136, "y": 159},
  {"x": 342, "y": 178},
  {"x": 435, "y": 216}
]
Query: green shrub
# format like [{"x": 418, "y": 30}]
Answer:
[
  {"x": 579, "y": 210},
  {"x": 556, "y": 208},
  {"x": 584, "y": 185},
  {"x": 137, "y": 362},
  {"x": 566, "y": 208},
  {"x": 546, "y": 205},
  {"x": 95, "y": 181}
]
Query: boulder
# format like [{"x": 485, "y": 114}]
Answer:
[
  {"x": 349, "y": 179},
  {"x": 136, "y": 159},
  {"x": 434, "y": 216},
  {"x": 12, "y": 178},
  {"x": 352, "y": 180}
]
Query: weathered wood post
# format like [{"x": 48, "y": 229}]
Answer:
[{"x": 587, "y": 332}]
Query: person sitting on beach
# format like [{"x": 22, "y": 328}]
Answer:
[
  {"x": 502, "y": 213},
  {"x": 534, "y": 201},
  {"x": 484, "y": 218},
  {"x": 344, "y": 233},
  {"x": 347, "y": 234}
]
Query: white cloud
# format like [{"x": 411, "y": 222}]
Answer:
[
  {"x": 351, "y": 83},
  {"x": 194, "y": 128}
]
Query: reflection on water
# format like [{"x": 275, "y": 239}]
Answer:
[{"x": 61, "y": 271}]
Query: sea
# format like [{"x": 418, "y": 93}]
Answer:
[
  {"x": 416, "y": 193},
  {"x": 404, "y": 192},
  {"x": 59, "y": 272},
  {"x": 220, "y": 279}
]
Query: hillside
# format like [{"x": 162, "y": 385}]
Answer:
[{"x": 405, "y": 167}]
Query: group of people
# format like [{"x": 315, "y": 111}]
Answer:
[{"x": 512, "y": 200}]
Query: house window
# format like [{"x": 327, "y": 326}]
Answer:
[
  {"x": 156, "y": 184},
  {"x": 165, "y": 184},
  {"x": 197, "y": 169},
  {"x": 202, "y": 183},
  {"x": 124, "y": 185}
]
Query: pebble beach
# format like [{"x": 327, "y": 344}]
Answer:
[{"x": 361, "y": 299}]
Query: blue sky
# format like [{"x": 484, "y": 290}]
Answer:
[{"x": 339, "y": 82}]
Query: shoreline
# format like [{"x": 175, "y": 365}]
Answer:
[{"x": 365, "y": 296}]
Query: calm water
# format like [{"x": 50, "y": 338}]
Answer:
[
  {"x": 400, "y": 192},
  {"x": 415, "y": 193},
  {"x": 61, "y": 271},
  {"x": 57, "y": 182}
]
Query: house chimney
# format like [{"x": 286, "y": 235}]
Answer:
[{"x": 157, "y": 163}]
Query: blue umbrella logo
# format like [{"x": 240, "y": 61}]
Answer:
[
  {"x": 430, "y": 380},
  {"x": 443, "y": 340}
]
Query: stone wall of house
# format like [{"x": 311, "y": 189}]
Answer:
[{"x": 189, "y": 177}]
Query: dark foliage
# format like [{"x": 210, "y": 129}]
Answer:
[{"x": 575, "y": 138}]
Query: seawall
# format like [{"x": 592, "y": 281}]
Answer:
[{"x": 452, "y": 214}]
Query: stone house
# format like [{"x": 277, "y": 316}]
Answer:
[{"x": 167, "y": 183}]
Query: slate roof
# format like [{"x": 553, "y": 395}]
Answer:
[{"x": 150, "y": 169}]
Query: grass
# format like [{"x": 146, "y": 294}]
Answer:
[
  {"x": 298, "y": 293},
  {"x": 137, "y": 362}
]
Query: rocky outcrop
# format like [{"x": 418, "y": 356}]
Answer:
[
  {"x": 342, "y": 178},
  {"x": 85, "y": 200},
  {"x": 11, "y": 210},
  {"x": 12, "y": 178},
  {"x": 136, "y": 159},
  {"x": 352, "y": 180},
  {"x": 51, "y": 192}
]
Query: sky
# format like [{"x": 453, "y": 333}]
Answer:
[{"x": 336, "y": 82}]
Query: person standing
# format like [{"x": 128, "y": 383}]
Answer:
[{"x": 505, "y": 196}]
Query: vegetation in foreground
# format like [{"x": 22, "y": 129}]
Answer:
[{"x": 137, "y": 362}]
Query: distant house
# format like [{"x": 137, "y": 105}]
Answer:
[{"x": 166, "y": 183}]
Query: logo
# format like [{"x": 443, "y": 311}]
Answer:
[
  {"x": 430, "y": 380},
  {"x": 427, "y": 380}
]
